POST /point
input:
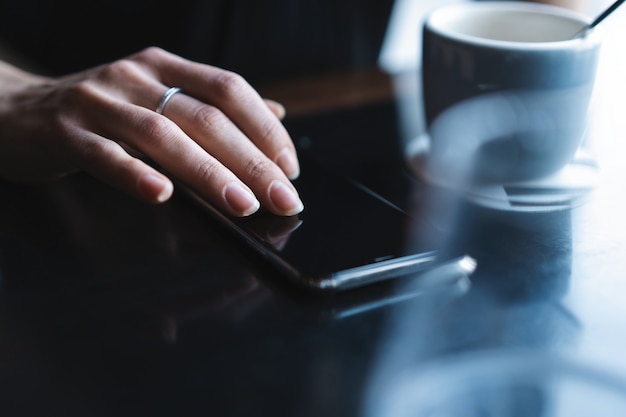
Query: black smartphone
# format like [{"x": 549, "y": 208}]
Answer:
[{"x": 347, "y": 236}]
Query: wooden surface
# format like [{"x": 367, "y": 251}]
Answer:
[{"x": 320, "y": 93}]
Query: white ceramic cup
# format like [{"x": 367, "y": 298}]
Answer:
[{"x": 506, "y": 90}]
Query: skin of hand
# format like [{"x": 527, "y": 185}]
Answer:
[{"x": 217, "y": 135}]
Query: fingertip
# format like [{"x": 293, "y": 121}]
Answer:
[
  {"x": 155, "y": 188},
  {"x": 285, "y": 199},
  {"x": 276, "y": 108},
  {"x": 241, "y": 201},
  {"x": 288, "y": 162}
]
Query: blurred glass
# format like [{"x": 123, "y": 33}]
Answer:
[{"x": 504, "y": 384}]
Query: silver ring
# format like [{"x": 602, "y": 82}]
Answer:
[{"x": 166, "y": 97}]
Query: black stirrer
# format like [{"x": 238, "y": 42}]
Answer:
[{"x": 598, "y": 19}]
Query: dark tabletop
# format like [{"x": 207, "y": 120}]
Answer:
[{"x": 112, "y": 307}]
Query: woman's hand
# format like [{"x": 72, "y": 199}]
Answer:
[{"x": 217, "y": 135}]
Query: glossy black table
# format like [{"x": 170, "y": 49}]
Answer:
[{"x": 111, "y": 307}]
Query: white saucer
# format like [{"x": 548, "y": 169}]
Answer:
[{"x": 568, "y": 188}]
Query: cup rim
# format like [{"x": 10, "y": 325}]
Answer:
[{"x": 592, "y": 38}]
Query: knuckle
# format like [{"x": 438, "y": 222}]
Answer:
[
  {"x": 83, "y": 88},
  {"x": 80, "y": 94},
  {"x": 92, "y": 152},
  {"x": 153, "y": 128},
  {"x": 230, "y": 85},
  {"x": 269, "y": 132},
  {"x": 150, "y": 53},
  {"x": 63, "y": 124},
  {"x": 210, "y": 119},
  {"x": 153, "y": 50},
  {"x": 258, "y": 167},
  {"x": 207, "y": 171},
  {"x": 121, "y": 69}
]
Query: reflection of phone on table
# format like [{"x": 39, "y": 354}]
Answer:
[{"x": 346, "y": 236}]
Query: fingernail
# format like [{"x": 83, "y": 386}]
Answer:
[
  {"x": 285, "y": 199},
  {"x": 156, "y": 188},
  {"x": 241, "y": 201},
  {"x": 288, "y": 162},
  {"x": 277, "y": 108}
]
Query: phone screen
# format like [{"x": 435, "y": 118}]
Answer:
[{"x": 346, "y": 236}]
